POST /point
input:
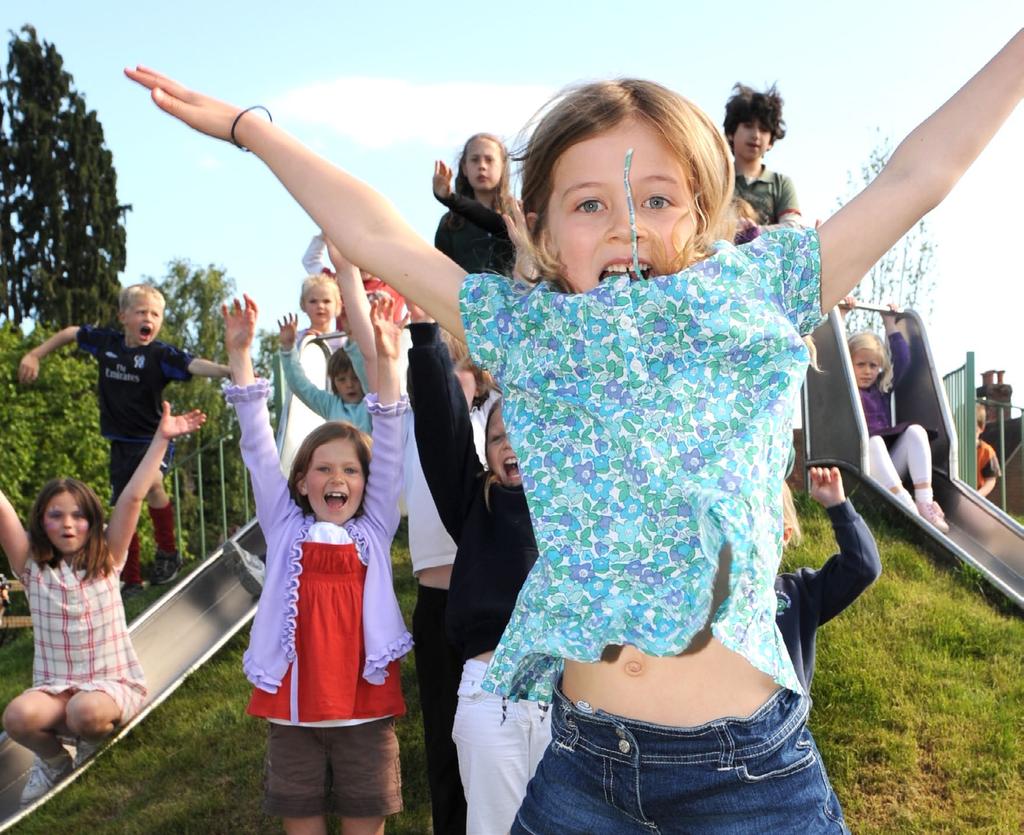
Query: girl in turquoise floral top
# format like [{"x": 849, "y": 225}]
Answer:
[{"x": 648, "y": 383}]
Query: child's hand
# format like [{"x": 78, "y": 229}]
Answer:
[
  {"x": 416, "y": 313},
  {"x": 28, "y": 368},
  {"x": 239, "y": 325},
  {"x": 827, "y": 486},
  {"x": 174, "y": 426},
  {"x": 515, "y": 223},
  {"x": 204, "y": 114},
  {"x": 442, "y": 182},
  {"x": 387, "y": 333},
  {"x": 289, "y": 331}
]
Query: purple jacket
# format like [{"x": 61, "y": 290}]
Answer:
[
  {"x": 877, "y": 404},
  {"x": 285, "y": 526}
]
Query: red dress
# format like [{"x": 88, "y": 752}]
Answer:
[{"x": 329, "y": 647}]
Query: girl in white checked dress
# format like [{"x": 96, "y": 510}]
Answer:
[{"x": 86, "y": 679}]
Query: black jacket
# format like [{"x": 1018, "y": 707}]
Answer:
[
  {"x": 808, "y": 598},
  {"x": 495, "y": 547}
]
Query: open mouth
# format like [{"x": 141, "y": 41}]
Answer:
[
  {"x": 613, "y": 270},
  {"x": 511, "y": 467},
  {"x": 335, "y": 500},
  {"x": 146, "y": 330}
]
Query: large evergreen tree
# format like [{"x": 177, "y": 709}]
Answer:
[{"x": 62, "y": 235}]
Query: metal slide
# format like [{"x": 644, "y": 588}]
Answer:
[
  {"x": 172, "y": 638},
  {"x": 835, "y": 434}
]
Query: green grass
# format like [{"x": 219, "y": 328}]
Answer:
[{"x": 918, "y": 710}]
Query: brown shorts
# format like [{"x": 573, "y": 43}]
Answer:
[{"x": 351, "y": 771}]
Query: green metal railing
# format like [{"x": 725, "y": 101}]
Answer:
[
  {"x": 963, "y": 401},
  {"x": 195, "y": 459},
  {"x": 959, "y": 385}
]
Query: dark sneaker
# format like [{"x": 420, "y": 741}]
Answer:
[
  {"x": 249, "y": 567},
  {"x": 129, "y": 590},
  {"x": 85, "y": 749},
  {"x": 165, "y": 567}
]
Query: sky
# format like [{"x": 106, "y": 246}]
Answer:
[{"x": 384, "y": 89}]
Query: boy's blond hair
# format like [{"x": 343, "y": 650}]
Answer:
[
  {"x": 133, "y": 292},
  {"x": 320, "y": 280},
  {"x": 789, "y": 518},
  {"x": 980, "y": 415}
]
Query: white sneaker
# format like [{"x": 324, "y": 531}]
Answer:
[
  {"x": 85, "y": 749},
  {"x": 931, "y": 512},
  {"x": 250, "y": 568},
  {"x": 905, "y": 499},
  {"x": 43, "y": 776}
]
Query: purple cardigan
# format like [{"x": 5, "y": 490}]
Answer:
[
  {"x": 285, "y": 526},
  {"x": 877, "y": 404}
]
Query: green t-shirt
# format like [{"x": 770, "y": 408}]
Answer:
[{"x": 772, "y": 195}]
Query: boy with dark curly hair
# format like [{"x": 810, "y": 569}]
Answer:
[{"x": 753, "y": 124}]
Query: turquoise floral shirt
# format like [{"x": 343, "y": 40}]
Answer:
[{"x": 652, "y": 421}]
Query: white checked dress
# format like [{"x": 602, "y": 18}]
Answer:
[{"x": 81, "y": 636}]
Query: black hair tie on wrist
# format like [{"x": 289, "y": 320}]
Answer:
[{"x": 241, "y": 113}]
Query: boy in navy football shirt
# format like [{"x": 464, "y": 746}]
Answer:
[{"x": 134, "y": 369}]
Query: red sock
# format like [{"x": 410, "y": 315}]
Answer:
[
  {"x": 131, "y": 574},
  {"x": 163, "y": 527}
]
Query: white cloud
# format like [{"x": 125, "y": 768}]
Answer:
[{"x": 383, "y": 112}]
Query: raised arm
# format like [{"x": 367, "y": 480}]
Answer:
[
  {"x": 359, "y": 221},
  {"x": 206, "y": 368},
  {"x": 444, "y": 432},
  {"x": 28, "y": 368},
  {"x": 388, "y": 337},
  {"x": 357, "y": 310},
  {"x": 921, "y": 172},
  {"x": 13, "y": 537},
  {"x": 125, "y": 516}
]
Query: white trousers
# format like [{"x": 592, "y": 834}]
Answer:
[
  {"x": 499, "y": 743},
  {"x": 911, "y": 453}
]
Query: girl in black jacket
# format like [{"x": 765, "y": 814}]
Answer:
[{"x": 499, "y": 743}]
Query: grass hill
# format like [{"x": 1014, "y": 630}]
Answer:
[{"x": 918, "y": 711}]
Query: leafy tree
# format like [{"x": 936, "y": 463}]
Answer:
[
  {"x": 62, "y": 235},
  {"x": 903, "y": 275}
]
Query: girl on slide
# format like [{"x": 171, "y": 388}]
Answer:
[{"x": 86, "y": 678}]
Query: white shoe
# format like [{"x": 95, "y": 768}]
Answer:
[
  {"x": 85, "y": 749},
  {"x": 905, "y": 499},
  {"x": 43, "y": 776},
  {"x": 250, "y": 568},
  {"x": 931, "y": 512}
]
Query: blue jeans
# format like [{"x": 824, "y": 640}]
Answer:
[{"x": 609, "y": 774}]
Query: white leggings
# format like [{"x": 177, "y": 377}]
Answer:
[
  {"x": 499, "y": 744},
  {"x": 910, "y": 453}
]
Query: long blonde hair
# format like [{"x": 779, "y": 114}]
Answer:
[
  {"x": 593, "y": 109},
  {"x": 870, "y": 341}
]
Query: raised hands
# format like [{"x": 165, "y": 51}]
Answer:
[
  {"x": 387, "y": 333},
  {"x": 289, "y": 331},
  {"x": 239, "y": 330},
  {"x": 827, "y": 486},
  {"x": 239, "y": 324},
  {"x": 174, "y": 426},
  {"x": 442, "y": 182},
  {"x": 207, "y": 115},
  {"x": 525, "y": 268}
]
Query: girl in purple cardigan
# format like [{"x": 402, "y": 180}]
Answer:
[
  {"x": 893, "y": 450},
  {"x": 328, "y": 635}
]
